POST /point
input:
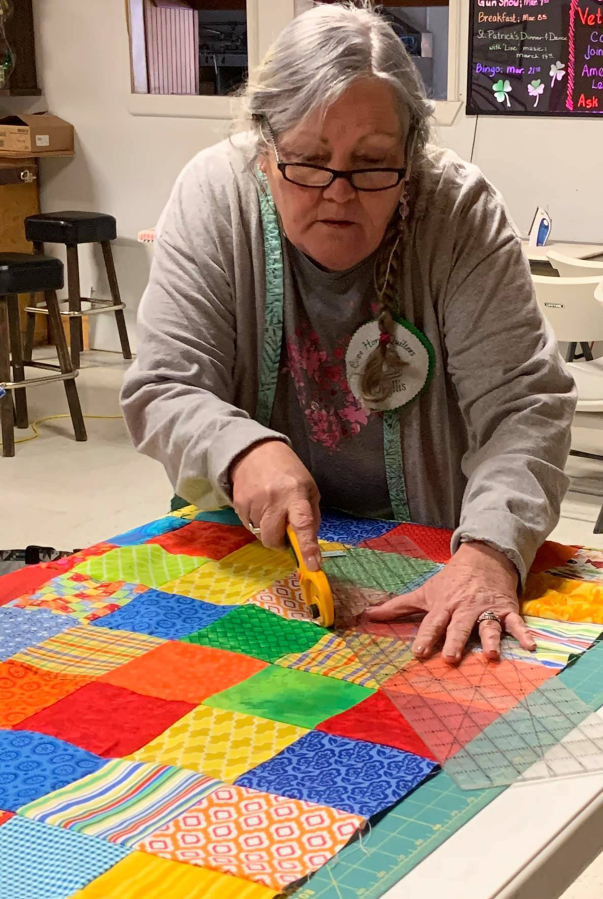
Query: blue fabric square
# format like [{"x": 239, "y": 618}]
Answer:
[
  {"x": 33, "y": 764},
  {"x": 166, "y": 615},
  {"x": 153, "y": 529},
  {"x": 352, "y": 775},
  {"x": 20, "y": 628},
  {"x": 337, "y": 527},
  {"x": 42, "y": 862}
]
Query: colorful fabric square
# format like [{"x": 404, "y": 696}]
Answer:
[
  {"x": 24, "y": 580},
  {"x": 562, "y": 598},
  {"x": 258, "y": 633},
  {"x": 377, "y": 570},
  {"x": 352, "y": 775},
  {"x": 165, "y": 615},
  {"x": 205, "y": 538},
  {"x": 270, "y": 839},
  {"x": 283, "y": 598},
  {"x": 377, "y": 720},
  {"x": 68, "y": 563},
  {"x": 33, "y": 764},
  {"x": 220, "y": 743},
  {"x": 39, "y": 861},
  {"x": 106, "y": 720},
  {"x": 415, "y": 540},
  {"x": 87, "y": 650},
  {"x": 448, "y": 706},
  {"x": 20, "y": 629},
  {"x": 553, "y": 555},
  {"x": 157, "y": 528},
  {"x": 80, "y": 596},
  {"x": 4, "y": 817},
  {"x": 236, "y": 578},
  {"x": 330, "y": 657},
  {"x": 341, "y": 528},
  {"x": 586, "y": 564},
  {"x": 25, "y": 690},
  {"x": 556, "y": 641},
  {"x": 148, "y": 564},
  {"x": 123, "y": 802},
  {"x": 183, "y": 672},
  {"x": 290, "y": 696},
  {"x": 143, "y": 876},
  {"x": 382, "y": 649}
]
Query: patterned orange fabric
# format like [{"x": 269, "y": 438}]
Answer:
[
  {"x": 548, "y": 596},
  {"x": 183, "y": 671},
  {"x": 253, "y": 835},
  {"x": 25, "y": 690}
]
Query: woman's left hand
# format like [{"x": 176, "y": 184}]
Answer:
[{"x": 477, "y": 579}]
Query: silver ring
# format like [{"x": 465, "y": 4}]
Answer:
[
  {"x": 489, "y": 616},
  {"x": 255, "y": 531}
]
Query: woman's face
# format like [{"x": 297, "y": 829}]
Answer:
[{"x": 338, "y": 226}]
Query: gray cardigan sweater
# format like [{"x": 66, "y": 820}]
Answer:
[{"x": 483, "y": 448}]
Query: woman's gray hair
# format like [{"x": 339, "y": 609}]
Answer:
[{"x": 318, "y": 56}]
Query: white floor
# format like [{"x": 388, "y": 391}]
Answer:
[{"x": 56, "y": 492}]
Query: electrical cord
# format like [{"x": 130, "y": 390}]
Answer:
[
  {"x": 474, "y": 136},
  {"x": 34, "y": 424}
]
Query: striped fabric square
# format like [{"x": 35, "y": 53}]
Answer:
[
  {"x": 124, "y": 802},
  {"x": 330, "y": 657},
  {"x": 148, "y": 564},
  {"x": 87, "y": 650}
]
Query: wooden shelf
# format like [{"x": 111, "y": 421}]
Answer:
[{"x": 21, "y": 92}]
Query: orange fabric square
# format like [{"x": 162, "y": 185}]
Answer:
[
  {"x": 25, "y": 690},
  {"x": 552, "y": 555},
  {"x": 184, "y": 672},
  {"x": 257, "y": 836},
  {"x": 205, "y": 538}
]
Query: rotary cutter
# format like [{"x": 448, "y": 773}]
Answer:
[{"x": 315, "y": 587}]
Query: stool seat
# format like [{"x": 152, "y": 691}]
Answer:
[
  {"x": 23, "y": 273},
  {"x": 70, "y": 228}
]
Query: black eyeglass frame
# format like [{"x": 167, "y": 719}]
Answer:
[{"x": 335, "y": 173}]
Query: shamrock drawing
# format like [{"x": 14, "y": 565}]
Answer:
[
  {"x": 557, "y": 72},
  {"x": 502, "y": 90},
  {"x": 535, "y": 89}
]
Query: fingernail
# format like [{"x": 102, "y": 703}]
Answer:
[
  {"x": 532, "y": 647},
  {"x": 314, "y": 562},
  {"x": 418, "y": 650}
]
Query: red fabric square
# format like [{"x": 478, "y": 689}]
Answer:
[
  {"x": 377, "y": 720},
  {"x": 552, "y": 555},
  {"x": 24, "y": 580},
  {"x": 64, "y": 565},
  {"x": 427, "y": 543},
  {"x": 4, "y": 816},
  {"x": 107, "y": 720},
  {"x": 205, "y": 538}
]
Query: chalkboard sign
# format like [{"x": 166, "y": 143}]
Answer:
[{"x": 535, "y": 57}]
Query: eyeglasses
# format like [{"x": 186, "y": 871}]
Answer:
[{"x": 319, "y": 176}]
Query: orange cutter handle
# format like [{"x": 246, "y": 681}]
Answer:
[{"x": 315, "y": 587}]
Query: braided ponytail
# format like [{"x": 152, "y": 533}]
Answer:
[{"x": 384, "y": 365}]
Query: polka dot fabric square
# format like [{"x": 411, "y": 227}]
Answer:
[{"x": 20, "y": 629}]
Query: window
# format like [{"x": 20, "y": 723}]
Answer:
[{"x": 424, "y": 32}]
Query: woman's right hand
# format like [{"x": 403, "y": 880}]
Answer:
[{"x": 271, "y": 488}]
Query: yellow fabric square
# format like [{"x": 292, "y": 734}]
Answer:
[
  {"x": 330, "y": 657},
  {"x": 187, "y": 512},
  {"x": 143, "y": 876},
  {"x": 236, "y": 578},
  {"x": 219, "y": 743},
  {"x": 566, "y": 599}
]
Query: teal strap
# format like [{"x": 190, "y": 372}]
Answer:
[
  {"x": 394, "y": 467},
  {"x": 273, "y": 314}
]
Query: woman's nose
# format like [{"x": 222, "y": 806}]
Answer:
[{"x": 339, "y": 191}]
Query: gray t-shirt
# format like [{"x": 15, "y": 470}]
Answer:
[
  {"x": 338, "y": 441},
  {"x": 483, "y": 448}
]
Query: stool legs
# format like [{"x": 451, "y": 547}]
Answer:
[
  {"x": 75, "y": 305},
  {"x": 14, "y": 328},
  {"x": 56, "y": 327},
  {"x": 114, "y": 287},
  {"x": 7, "y": 424},
  {"x": 30, "y": 325}
]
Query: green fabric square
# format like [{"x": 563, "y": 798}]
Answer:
[
  {"x": 381, "y": 571},
  {"x": 290, "y": 696},
  {"x": 147, "y": 564},
  {"x": 257, "y": 632}
]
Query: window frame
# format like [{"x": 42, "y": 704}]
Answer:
[{"x": 265, "y": 19}]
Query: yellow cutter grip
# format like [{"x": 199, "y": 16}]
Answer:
[{"x": 315, "y": 587}]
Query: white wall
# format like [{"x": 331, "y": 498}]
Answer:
[{"x": 125, "y": 165}]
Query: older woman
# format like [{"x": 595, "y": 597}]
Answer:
[{"x": 338, "y": 311}]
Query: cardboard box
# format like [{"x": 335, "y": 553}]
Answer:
[{"x": 38, "y": 134}]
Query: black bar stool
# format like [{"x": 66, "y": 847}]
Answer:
[
  {"x": 72, "y": 229},
  {"x": 22, "y": 273}
]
